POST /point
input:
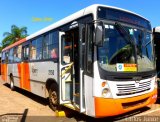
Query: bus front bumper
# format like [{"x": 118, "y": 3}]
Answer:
[{"x": 111, "y": 107}]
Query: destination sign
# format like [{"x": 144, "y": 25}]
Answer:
[{"x": 122, "y": 16}]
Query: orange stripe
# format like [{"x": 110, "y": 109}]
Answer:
[
  {"x": 25, "y": 76},
  {"x": 14, "y": 44},
  {"x": 4, "y": 72},
  {"x": 111, "y": 107}
]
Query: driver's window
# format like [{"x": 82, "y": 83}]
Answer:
[{"x": 66, "y": 49}]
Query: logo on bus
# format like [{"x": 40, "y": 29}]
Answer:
[{"x": 136, "y": 84}]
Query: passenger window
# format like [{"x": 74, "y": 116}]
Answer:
[
  {"x": 17, "y": 53},
  {"x": 25, "y": 52},
  {"x": 50, "y": 48},
  {"x": 3, "y": 57},
  {"x": 36, "y": 49},
  {"x": 6, "y": 57},
  {"x": 11, "y": 55}
]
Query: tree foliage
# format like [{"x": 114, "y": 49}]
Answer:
[{"x": 13, "y": 36}]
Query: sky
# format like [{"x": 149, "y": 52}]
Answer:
[{"x": 37, "y": 14}]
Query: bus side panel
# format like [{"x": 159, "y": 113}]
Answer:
[
  {"x": 19, "y": 74},
  {"x": 39, "y": 73},
  {"x": 10, "y": 71},
  {"x": 89, "y": 98},
  {"x": 4, "y": 72}
]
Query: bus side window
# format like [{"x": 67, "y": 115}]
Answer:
[
  {"x": 36, "y": 49},
  {"x": 54, "y": 45},
  {"x": 46, "y": 46},
  {"x": 50, "y": 46},
  {"x": 10, "y": 55},
  {"x": 6, "y": 59},
  {"x": 26, "y": 52},
  {"x": 3, "y": 57},
  {"x": 17, "y": 53}
]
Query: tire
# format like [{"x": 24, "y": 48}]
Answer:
[
  {"x": 12, "y": 83},
  {"x": 53, "y": 97}
]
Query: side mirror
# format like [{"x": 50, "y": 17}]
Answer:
[{"x": 99, "y": 34}]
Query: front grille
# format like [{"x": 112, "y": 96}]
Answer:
[
  {"x": 132, "y": 104},
  {"x": 133, "y": 88}
]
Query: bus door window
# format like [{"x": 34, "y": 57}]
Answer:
[
  {"x": 67, "y": 50},
  {"x": 89, "y": 47}
]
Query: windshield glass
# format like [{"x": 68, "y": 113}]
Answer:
[{"x": 119, "y": 54}]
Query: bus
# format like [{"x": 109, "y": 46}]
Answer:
[
  {"x": 98, "y": 61},
  {"x": 156, "y": 38}
]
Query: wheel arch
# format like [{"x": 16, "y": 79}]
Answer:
[{"x": 50, "y": 81}]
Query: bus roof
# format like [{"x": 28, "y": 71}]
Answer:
[{"x": 88, "y": 10}]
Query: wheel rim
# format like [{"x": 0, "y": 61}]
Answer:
[{"x": 54, "y": 97}]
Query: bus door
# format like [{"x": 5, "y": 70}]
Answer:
[{"x": 71, "y": 71}]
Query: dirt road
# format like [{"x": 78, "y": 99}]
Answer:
[
  {"x": 19, "y": 101},
  {"x": 20, "y": 105}
]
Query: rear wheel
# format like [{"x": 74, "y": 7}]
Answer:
[
  {"x": 12, "y": 83},
  {"x": 53, "y": 97}
]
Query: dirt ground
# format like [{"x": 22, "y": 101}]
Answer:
[
  {"x": 20, "y": 101},
  {"x": 20, "y": 105}
]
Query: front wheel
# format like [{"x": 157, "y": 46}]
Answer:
[
  {"x": 12, "y": 83},
  {"x": 53, "y": 97}
]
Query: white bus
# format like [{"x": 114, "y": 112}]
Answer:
[{"x": 98, "y": 61}]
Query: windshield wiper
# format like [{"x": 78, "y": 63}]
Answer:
[
  {"x": 127, "y": 37},
  {"x": 124, "y": 33}
]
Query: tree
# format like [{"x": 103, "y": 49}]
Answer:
[{"x": 13, "y": 36}]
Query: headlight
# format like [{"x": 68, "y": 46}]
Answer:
[{"x": 106, "y": 92}]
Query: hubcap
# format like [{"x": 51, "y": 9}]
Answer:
[
  {"x": 11, "y": 84},
  {"x": 54, "y": 97}
]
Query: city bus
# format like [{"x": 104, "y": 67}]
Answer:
[{"x": 98, "y": 61}]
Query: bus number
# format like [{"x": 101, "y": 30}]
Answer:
[{"x": 50, "y": 72}]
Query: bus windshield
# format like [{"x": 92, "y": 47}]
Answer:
[{"x": 117, "y": 49}]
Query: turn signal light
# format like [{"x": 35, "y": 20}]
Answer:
[{"x": 103, "y": 84}]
